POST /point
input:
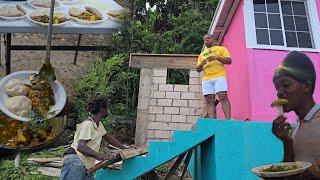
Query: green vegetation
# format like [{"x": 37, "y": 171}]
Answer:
[
  {"x": 27, "y": 171},
  {"x": 172, "y": 27}
]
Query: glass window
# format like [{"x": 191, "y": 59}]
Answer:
[
  {"x": 262, "y": 36},
  {"x": 261, "y": 20},
  {"x": 259, "y": 6},
  {"x": 289, "y": 27}
]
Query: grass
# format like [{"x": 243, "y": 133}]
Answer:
[{"x": 27, "y": 171}]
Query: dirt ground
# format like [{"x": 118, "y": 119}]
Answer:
[{"x": 62, "y": 61}]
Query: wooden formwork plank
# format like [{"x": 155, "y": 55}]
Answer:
[{"x": 172, "y": 61}]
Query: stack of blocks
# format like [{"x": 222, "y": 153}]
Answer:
[{"x": 173, "y": 106}]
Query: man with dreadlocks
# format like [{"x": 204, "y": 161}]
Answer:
[
  {"x": 295, "y": 81},
  {"x": 87, "y": 139}
]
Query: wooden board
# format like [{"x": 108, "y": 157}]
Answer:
[
  {"x": 123, "y": 154},
  {"x": 129, "y": 153},
  {"x": 45, "y": 160},
  {"x": 173, "y": 61}
]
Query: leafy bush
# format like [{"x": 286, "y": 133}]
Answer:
[
  {"x": 111, "y": 78},
  {"x": 173, "y": 27}
]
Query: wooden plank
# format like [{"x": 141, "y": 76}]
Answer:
[
  {"x": 228, "y": 19},
  {"x": 129, "y": 153},
  {"x": 44, "y": 160},
  {"x": 48, "y": 171},
  {"x": 123, "y": 154},
  {"x": 173, "y": 61},
  {"x": 175, "y": 166}
]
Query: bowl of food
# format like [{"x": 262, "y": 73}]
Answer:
[
  {"x": 44, "y": 4},
  {"x": 118, "y": 14},
  {"x": 88, "y": 15},
  {"x": 25, "y": 96},
  {"x": 12, "y": 12},
  {"x": 41, "y": 17},
  {"x": 281, "y": 169}
]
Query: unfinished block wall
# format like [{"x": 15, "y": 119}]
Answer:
[{"x": 173, "y": 106}]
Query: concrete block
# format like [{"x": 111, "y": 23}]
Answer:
[
  {"x": 158, "y": 94},
  {"x": 162, "y": 134},
  {"x": 159, "y": 80},
  {"x": 181, "y": 88},
  {"x": 155, "y": 110},
  {"x": 179, "y": 118},
  {"x": 160, "y": 72},
  {"x": 180, "y": 103},
  {"x": 171, "y": 110},
  {"x": 164, "y": 102},
  {"x": 188, "y": 95},
  {"x": 165, "y": 87},
  {"x": 163, "y": 117},
  {"x": 188, "y": 111},
  {"x": 173, "y": 95}
]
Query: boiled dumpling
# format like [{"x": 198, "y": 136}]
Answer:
[
  {"x": 15, "y": 87},
  {"x": 19, "y": 105}
]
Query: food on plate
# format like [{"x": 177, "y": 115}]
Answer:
[
  {"x": 44, "y": 3},
  {"x": 279, "y": 105},
  {"x": 19, "y": 105},
  {"x": 15, "y": 87},
  {"x": 43, "y": 17},
  {"x": 89, "y": 14},
  {"x": 12, "y": 11},
  {"x": 16, "y": 134},
  {"x": 41, "y": 95},
  {"x": 280, "y": 168},
  {"x": 119, "y": 15}
]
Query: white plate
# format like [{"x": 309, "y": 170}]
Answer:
[
  {"x": 88, "y": 22},
  {"x": 46, "y": 12},
  {"x": 13, "y": 18},
  {"x": 69, "y": 1},
  {"x": 259, "y": 170},
  {"x": 58, "y": 90},
  {"x": 59, "y": 5},
  {"x": 116, "y": 11}
]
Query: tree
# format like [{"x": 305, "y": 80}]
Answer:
[{"x": 174, "y": 26}]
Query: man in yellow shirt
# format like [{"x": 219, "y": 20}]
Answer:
[
  {"x": 214, "y": 82},
  {"x": 87, "y": 140}
]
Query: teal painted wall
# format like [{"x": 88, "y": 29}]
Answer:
[
  {"x": 228, "y": 150},
  {"x": 238, "y": 146}
]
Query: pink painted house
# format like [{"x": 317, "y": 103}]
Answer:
[{"x": 259, "y": 34}]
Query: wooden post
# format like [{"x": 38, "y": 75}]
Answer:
[{"x": 143, "y": 106}]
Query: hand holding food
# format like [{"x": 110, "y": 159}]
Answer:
[
  {"x": 281, "y": 128},
  {"x": 279, "y": 105}
]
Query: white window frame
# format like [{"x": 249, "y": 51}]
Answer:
[{"x": 250, "y": 29}]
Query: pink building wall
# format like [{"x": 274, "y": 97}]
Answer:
[
  {"x": 251, "y": 89},
  {"x": 238, "y": 76}
]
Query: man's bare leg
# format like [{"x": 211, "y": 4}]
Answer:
[
  {"x": 211, "y": 108},
  {"x": 223, "y": 98}
]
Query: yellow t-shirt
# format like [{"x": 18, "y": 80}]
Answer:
[
  {"x": 88, "y": 130},
  {"x": 213, "y": 69}
]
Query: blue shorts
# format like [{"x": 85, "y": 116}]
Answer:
[
  {"x": 74, "y": 169},
  {"x": 213, "y": 86}
]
